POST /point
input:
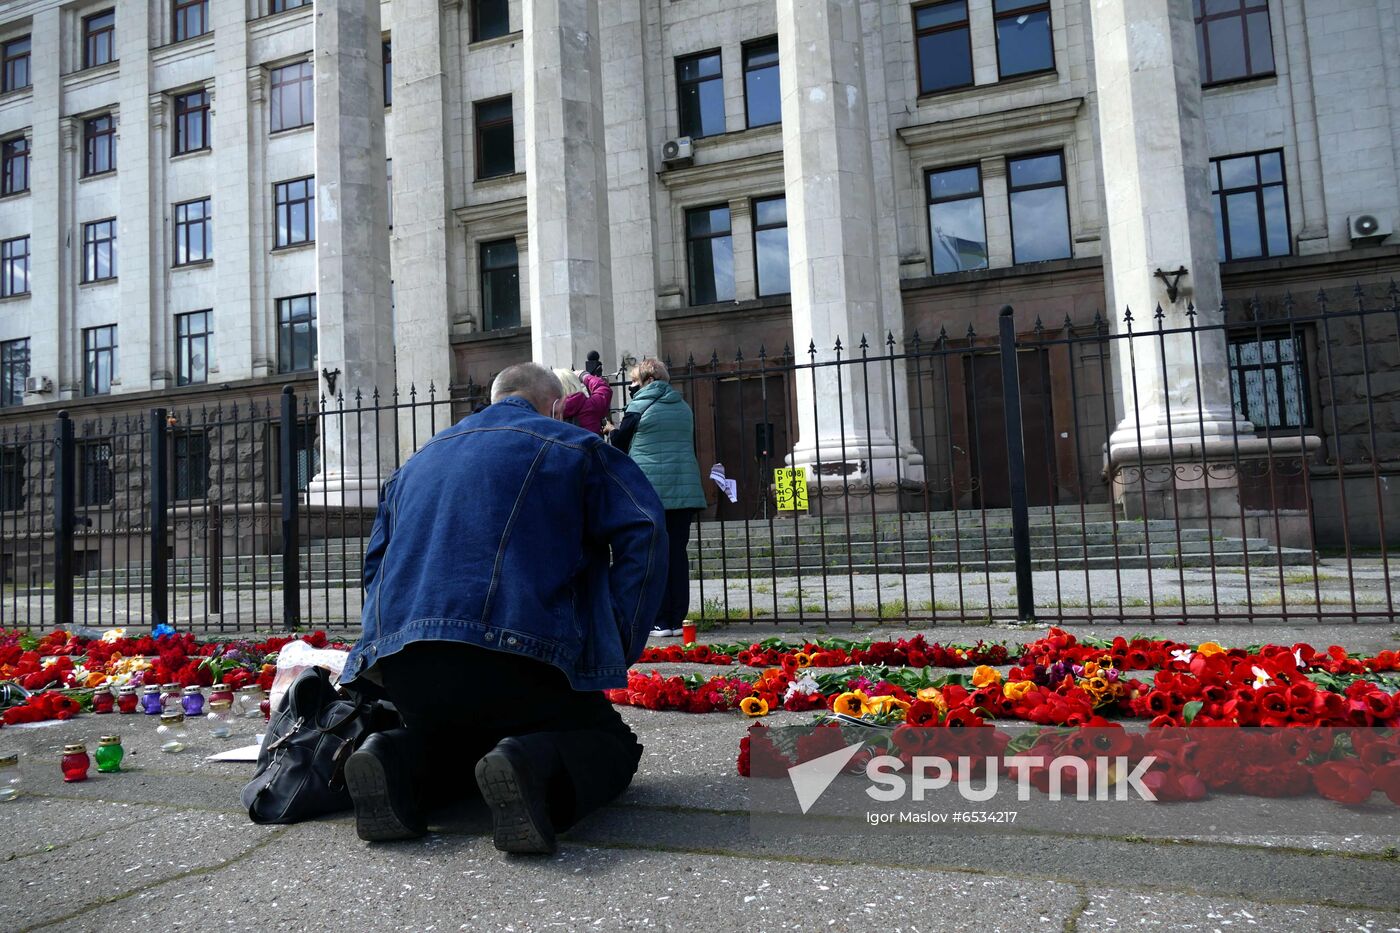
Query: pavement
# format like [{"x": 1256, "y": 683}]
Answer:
[{"x": 166, "y": 846}]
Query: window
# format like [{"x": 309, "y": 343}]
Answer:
[
  {"x": 14, "y": 267},
  {"x": 956, "y": 223},
  {"x": 293, "y": 97},
  {"x": 100, "y": 356},
  {"x": 943, "y": 43},
  {"x": 295, "y": 205},
  {"x": 388, "y": 74},
  {"x": 99, "y": 145},
  {"x": 296, "y": 334},
  {"x": 500, "y": 285},
  {"x": 308, "y": 455},
  {"x": 490, "y": 18},
  {"x": 281, "y": 6},
  {"x": 1039, "y": 208},
  {"x": 15, "y": 55},
  {"x": 495, "y": 138},
  {"x": 762, "y": 100},
  {"x": 100, "y": 250},
  {"x": 14, "y": 173},
  {"x": 191, "y": 19},
  {"x": 1268, "y": 378},
  {"x": 1232, "y": 40},
  {"x": 389, "y": 181},
  {"x": 1024, "y": 41},
  {"x": 770, "y": 245},
  {"x": 700, "y": 90},
  {"x": 191, "y": 121},
  {"x": 95, "y": 486},
  {"x": 99, "y": 38},
  {"x": 190, "y": 449},
  {"x": 1251, "y": 206},
  {"x": 194, "y": 232},
  {"x": 711, "y": 251},
  {"x": 192, "y": 335},
  {"x": 14, "y": 370},
  {"x": 11, "y": 478}
]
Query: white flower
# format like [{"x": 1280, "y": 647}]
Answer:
[
  {"x": 1184, "y": 655},
  {"x": 1298, "y": 656},
  {"x": 113, "y": 634},
  {"x": 804, "y": 684},
  {"x": 1261, "y": 678}
]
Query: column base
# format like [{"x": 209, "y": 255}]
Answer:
[{"x": 335, "y": 490}]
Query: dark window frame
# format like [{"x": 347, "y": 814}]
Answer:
[
  {"x": 1041, "y": 7},
  {"x": 1241, "y": 334},
  {"x": 94, "y": 40},
  {"x": 92, "y": 246},
  {"x": 14, "y": 149},
  {"x": 96, "y": 483},
  {"x": 293, "y": 310},
  {"x": 183, "y": 225},
  {"x": 182, "y": 14},
  {"x": 755, "y": 227},
  {"x": 1221, "y": 196},
  {"x": 186, "y": 337},
  {"x": 1242, "y": 12},
  {"x": 692, "y": 239},
  {"x": 10, "y": 64},
  {"x": 308, "y": 455},
  {"x": 479, "y": 127},
  {"x": 93, "y": 356},
  {"x": 277, "y": 91},
  {"x": 283, "y": 201},
  {"x": 476, "y": 30},
  {"x": 965, "y": 24},
  {"x": 189, "y": 451},
  {"x": 930, "y": 201},
  {"x": 746, "y": 51},
  {"x": 13, "y": 463},
  {"x": 682, "y": 83},
  {"x": 184, "y": 114},
  {"x": 8, "y": 259},
  {"x": 388, "y": 69},
  {"x": 282, "y": 6},
  {"x": 14, "y": 354},
  {"x": 96, "y": 134},
  {"x": 485, "y": 273},
  {"x": 1062, "y": 184}
]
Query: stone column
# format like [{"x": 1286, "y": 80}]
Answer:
[
  {"x": 422, "y": 202},
  {"x": 137, "y": 211},
  {"x": 566, "y": 184},
  {"x": 352, "y": 245},
  {"x": 52, "y": 266},
  {"x": 841, "y": 289},
  {"x": 240, "y": 300},
  {"x": 1160, "y": 217}
]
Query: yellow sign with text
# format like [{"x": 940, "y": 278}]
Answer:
[{"x": 790, "y": 488}]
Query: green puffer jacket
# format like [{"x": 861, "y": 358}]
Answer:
[{"x": 664, "y": 445}]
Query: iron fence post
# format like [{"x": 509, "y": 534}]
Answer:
[
  {"x": 160, "y": 517},
  {"x": 291, "y": 545},
  {"x": 65, "y": 520},
  {"x": 1016, "y": 467}
]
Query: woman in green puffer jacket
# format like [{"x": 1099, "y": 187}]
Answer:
[{"x": 658, "y": 430}]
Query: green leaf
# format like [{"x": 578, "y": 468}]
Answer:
[{"x": 1189, "y": 711}]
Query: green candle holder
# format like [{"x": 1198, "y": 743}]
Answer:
[{"x": 109, "y": 754}]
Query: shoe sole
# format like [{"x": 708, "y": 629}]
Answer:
[
  {"x": 519, "y": 825},
  {"x": 376, "y": 820}
]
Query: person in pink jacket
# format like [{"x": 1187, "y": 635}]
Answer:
[{"x": 586, "y": 399}]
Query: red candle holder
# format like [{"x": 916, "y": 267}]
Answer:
[
  {"x": 75, "y": 763},
  {"x": 220, "y": 692},
  {"x": 127, "y": 699},
  {"x": 102, "y": 700}
]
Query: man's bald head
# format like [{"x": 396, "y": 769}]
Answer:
[{"x": 530, "y": 381}]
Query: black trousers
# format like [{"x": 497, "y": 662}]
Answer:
[
  {"x": 675, "y": 605},
  {"x": 458, "y": 701}
]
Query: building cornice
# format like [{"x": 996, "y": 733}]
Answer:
[
  {"x": 186, "y": 49},
  {"x": 495, "y": 212},
  {"x": 91, "y": 77},
  {"x": 992, "y": 133},
  {"x": 731, "y": 178}
]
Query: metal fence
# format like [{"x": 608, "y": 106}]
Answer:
[{"x": 1078, "y": 472}]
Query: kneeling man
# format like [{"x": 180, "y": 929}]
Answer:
[{"x": 514, "y": 569}]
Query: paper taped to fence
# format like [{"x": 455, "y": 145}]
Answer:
[{"x": 790, "y": 488}]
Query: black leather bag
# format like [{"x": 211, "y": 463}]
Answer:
[{"x": 300, "y": 772}]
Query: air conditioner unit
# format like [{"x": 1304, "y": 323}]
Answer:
[
  {"x": 38, "y": 385},
  {"x": 677, "y": 150},
  {"x": 1368, "y": 228}
]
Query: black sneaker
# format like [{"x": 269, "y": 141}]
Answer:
[
  {"x": 382, "y": 790},
  {"x": 515, "y": 792}
]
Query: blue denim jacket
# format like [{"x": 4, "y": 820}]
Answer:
[{"x": 497, "y": 533}]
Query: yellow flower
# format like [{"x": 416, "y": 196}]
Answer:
[
  {"x": 1016, "y": 689},
  {"x": 753, "y": 706},
  {"x": 803, "y": 659},
  {"x": 984, "y": 675},
  {"x": 852, "y": 703},
  {"x": 1098, "y": 684},
  {"x": 887, "y": 703},
  {"x": 934, "y": 696},
  {"x": 1209, "y": 648},
  {"x": 1090, "y": 668}
]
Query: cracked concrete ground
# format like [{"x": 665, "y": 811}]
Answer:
[{"x": 165, "y": 845}]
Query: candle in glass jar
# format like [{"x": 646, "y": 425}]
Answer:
[
  {"x": 150, "y": 699},
  {"x": 11, "y": 783},
  {"x": 221, "y": 692},
  {"x": 249, "y": 705},
  {"x": 170, "y": 697},
  {"x": 220, "y": 718},
  {"x": 75, "y": 763},
  {"x": 102, "y": 700},
  {"x": 109, "y": 754},
  {"x": 192, "y": 701},
  {"x": 172, "y": 732},
  {"x": 127, "y": 699}
]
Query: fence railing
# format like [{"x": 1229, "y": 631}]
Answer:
[{"x": 1159, "y": 468}]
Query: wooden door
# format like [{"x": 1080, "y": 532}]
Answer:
[{"x": 986, "y": 428}]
